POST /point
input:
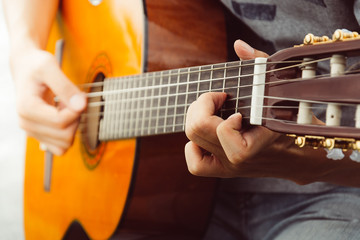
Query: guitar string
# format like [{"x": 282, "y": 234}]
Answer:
[
  {"x": 110, "y": 102},
  {"x": 113, "y": 92},
  {"x": 178, "y": 73},
  {"x": 182, "y": 106},
  {"x": 174, "y": 125},
  {"x": 168, "y": 128},
  {"x": 101, "y": 103},
  {"x": 233, "y": 99}
]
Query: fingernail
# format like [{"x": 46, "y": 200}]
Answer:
[
  {"x": 77, "y": 102},
  {"x": 247, "y": 47},
  {"x": 234, "y": 115}
]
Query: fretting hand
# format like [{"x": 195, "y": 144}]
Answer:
[{"x": 222, "y": 148}]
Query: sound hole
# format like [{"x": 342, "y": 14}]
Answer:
[{"x": 94, "y": 114}]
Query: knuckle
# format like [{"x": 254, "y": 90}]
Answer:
[
  {"x": 236, "y": 157},
  {"x": 197, "y": 128},
  {"x": 195, "y": 169},
  {"x": 59, "y": 122},
  {"x": 68, "y": 137}
]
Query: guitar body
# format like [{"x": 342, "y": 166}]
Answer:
[{"x": 132, "y": 187}]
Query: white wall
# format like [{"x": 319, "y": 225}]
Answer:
[{"x": 12, "y": 143}]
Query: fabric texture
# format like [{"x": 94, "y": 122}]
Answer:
[
  {"x": 284, "y": 24},
  {"x": 329, "y": 215}
]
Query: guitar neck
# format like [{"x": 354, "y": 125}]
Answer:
[{"x": 156, "y": 102}]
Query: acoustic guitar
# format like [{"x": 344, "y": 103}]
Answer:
[{"x": 142, "y": 64}]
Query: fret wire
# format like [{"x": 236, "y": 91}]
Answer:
[
  {"x": 186, "y": 96},
  {"x": 198, "y": 83},
  {"x": 129, "y": 96},
  {"x": 138, "y": 94},
  {"x": 223, "y": 87},
  {"x": 211, "y": 77},
  {"x": 152, "y": 101},
  {"x": 238, "y": 89},
  {"x": 122, "y": 98},
  {"x": 117, "y": 97},
  {"x": 143, "y": 112},
  {"x": 167, "y": 102},
  {"x": 158, "y": 110},
  {"x": 112, "y": 122},
  {"x": 176, "y": 98}
]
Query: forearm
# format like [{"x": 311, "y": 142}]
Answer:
[{"x": 29, "y": 23}]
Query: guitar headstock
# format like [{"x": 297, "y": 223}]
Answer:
[{"x": 318, "y": 108}]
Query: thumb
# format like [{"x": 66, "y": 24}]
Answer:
[
  {"x": 246, "y": 52},
  {"x": 63, "y": 88}
]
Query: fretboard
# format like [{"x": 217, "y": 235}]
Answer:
[{"x": 156, "y": 102}]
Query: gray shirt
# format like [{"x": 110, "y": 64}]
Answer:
[{"x": 285, "y": 23}]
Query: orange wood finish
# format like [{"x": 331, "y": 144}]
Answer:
[
  {"x": 78, "y": 193},
  {"x": 109, "y": 38}
]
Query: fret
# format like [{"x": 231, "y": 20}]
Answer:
[
  {"x": 231, "y": 88},
  {"x": 238, "y": 88},
  {"x": 182, "y": 98},
  {"x": 158, "y": 100},
  {"x": 129, "y": 106},
  {"x": 167, "y": 100},
  {"x": 137, "y": 104},
  {"x": 223, "y": 88},
  {"x": 145, "y": 111},
  {"x": 211, "y": 78},
  {"x": 217, "y": 77},
  {"x": 186, "y": 96},
  {"x": 204, "y": 79},
  {"x": 193, "y": 85},
  {"x": 151, "y": 102},
  {"x": 112, "y": 100},
  {"x": 111, "y": 109},
  {"x": 171, "y": 104},
  {"x": 163, "y": 97},
  {"x": 246, "y": 81},
  {"x": 124, "y": 96},
  {"x": 176, "y": 99},
  {"x": 103, "y": 125},
  {"x": 198, "y": 83},
  {"x": 224, "y": 82},
  {"x": 117, "y": 107}
]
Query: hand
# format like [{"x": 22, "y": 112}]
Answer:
[
  {"x": 222, "y": 148},
  {"x": 38, "y": 79}
]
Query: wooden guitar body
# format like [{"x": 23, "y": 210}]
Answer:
[{"x": 135, "y": 186}]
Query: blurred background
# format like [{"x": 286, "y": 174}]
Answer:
[{"x": 12, "y": 149}]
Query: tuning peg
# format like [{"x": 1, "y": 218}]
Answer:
[
  {"x": 311, "y": 39},
  {"x": 328, "y": 143},
  {"x": 342, "y": 34}
]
